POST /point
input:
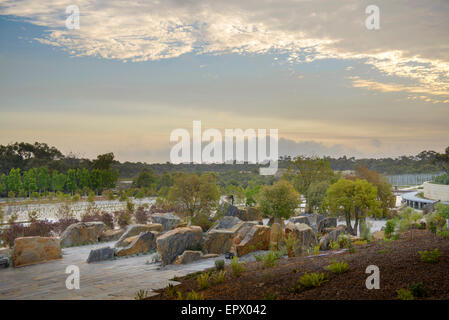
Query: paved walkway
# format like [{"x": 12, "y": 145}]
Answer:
[{"x": 115, "y": 279}]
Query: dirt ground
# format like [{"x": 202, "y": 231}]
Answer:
[{"x": 399, "y": 263}]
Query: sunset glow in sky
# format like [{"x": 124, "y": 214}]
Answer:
[{"x": 136, "y": 70}]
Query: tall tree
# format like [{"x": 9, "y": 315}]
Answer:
[
  {"x": 43, "y": 179},
  {"x": 71, "y": 184},
  {"x": 83, "y": 177},
  {"x": 304, "y": 171},
  {"x": 279, "y": 200},
  {"x": 29, "y": 181},
  {"x": 58, "y": 181},
  {"x": 103, "y": 161},
  {"x": 14, "y": 181},
  {"x": 96, "y": 182},
  {"x": 354, "y": 200}
]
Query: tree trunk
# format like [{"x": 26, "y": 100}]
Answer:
[{"x": 348, "y": 222}]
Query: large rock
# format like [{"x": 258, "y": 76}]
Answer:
[
  {"x": 250, "y": 214},
  {"x": 31, "y": 250},
  {"x": 167, "y": 220},
  {"x": 328, "y": 222},
  {"x": 188, "y": 256},
  {"x": 220, "y": 238},
  {"x": 111, "y": 235},
  {"x": 232, "y": 211},
  {"x": 134, "y": 230},
  {"x": 144, "y": 242},
  {"x": 82, "y": 233},
  {"x": 300, "y": 219},
  {"x": 101, "y": 254},
  {"x": 276, "y": 234},
  {"x": 332, "y": 234},
  {"x": 258, "y": 238},
  {"x": 303, "y": 232},
  {"x": 174, "y": 242}
]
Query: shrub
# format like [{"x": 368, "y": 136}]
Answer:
[
  {"x": 192, "y": 295},
  {"x": 203, "y": 281},
  {"x": 91, "y": 197},
  {"x": 316, "y": 250},
  {"x": 334, "y": 245},
  {"x": 171, "y": 291},
  {"x": 270, "y": 259},
  {"x": 404, "y": 294},
  {"x": 107, "y": 219},
  {"x": 237, "y": 268},
  {"x": 418, "y": 290},
  {"x": 361, "y": 242},
  {"x": 390, "y": 226},
  {"x": 123, "y": 218},
  {"x": 291, "y": 244},
  {"x": 219, "y": 264},
  {"x": 63, "y": 223},
  {"x": 202, "y": 220},
  {"x": 141, "y": 215},
  {"x": 365, "y": 232},
  {"x": 141, "y": 294},
  {"x": 312, "y": 280},
  {"x": 431, "y": 256},
  {"x": 220, "y": 277},
  {"x": 338, "y": 267}
]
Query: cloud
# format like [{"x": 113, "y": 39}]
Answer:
[{"x": 304, "y": 31}]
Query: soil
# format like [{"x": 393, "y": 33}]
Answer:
[{"x": 399, "y": 263}]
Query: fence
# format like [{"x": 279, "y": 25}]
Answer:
[{"x": 411, "y": 179}]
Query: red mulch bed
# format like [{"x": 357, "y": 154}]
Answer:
[{"x": 399, "y": 263}]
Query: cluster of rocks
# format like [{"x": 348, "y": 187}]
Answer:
[{"x": 238, "y": 233}]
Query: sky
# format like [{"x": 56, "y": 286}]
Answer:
[{"x": 137, "y": 70}]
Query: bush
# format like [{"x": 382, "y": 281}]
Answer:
[
  {"x": 338, "y": 267},
  {"x": 389, "y": 228},
  {"x": 237, "y": 268},
  {"x": 203, "y": 281},
  {"x": 220, "y": 277},
  {"x": 431, "y": 256},
  {"x": 63, "y": 223},
  {"x": 270, "y": 259},
  {"x": 202, "y": 220},
  {"x": 291, "y": 244},
  {"x": 123, "y": 218},
  {"x": 192, "y": 295},
  {"x": 365, "y": 232},
  {"x": 219, "y": 264},
  {"x": 418, "y": 290},
  {"x": 107, "y": 219},
  {"x": 141, "y": 294},
  {"x": 404, "y": 294},
  {"x": 312, "y": 280},
  {"x": 141, "y": 215},
  {"x": 171, "y": 291}
]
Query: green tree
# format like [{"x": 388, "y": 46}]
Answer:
[
  {"x": 43, "y": 179},
  {"x": 354, "y": 200},
  {"x": 194, "y": 194},
  {"x": 443, "y": 160},
  {"x": 251, "y": 194},
  {"x": 316, "y": 194},
  {"x": 3, "y": 187},
  {"x": 58, "y": 181},
  {"x": 14, "y": 181},
  {"x": 279, "y": 200},
  {"x": 29, "y": 181},
  {"x": 109, "y": 178},
  {"x": 71, "y": 184},
  {"x": 103, "y": 161},
  {"x": 96, "y": 182},
  {"x": 83, "y": 177},
  {"x": 146, "y": 179},
  {"x": 384, "y": 188},
  {"x": 304, "y": 171}
]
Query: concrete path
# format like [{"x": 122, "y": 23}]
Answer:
[{"x": 115, "y": 279}]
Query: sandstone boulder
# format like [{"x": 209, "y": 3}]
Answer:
[
  {"x": 134, "y": 230},
  {"x": 276, "y": 234},
  {"x": 82, "y": 233},
  {"x": 101, "y": 254},
  {"x": 168, "y": 221},
  {"x": 303, "y": 232},
  {"x": 188, "y": 256},
  {"x": 300, "y": 219},
  {"x": 111, "y": 235},
  {"x": 258, "y": 238},
  {"x": 250, "y": 214},
  {"x": 174, "y": 242},
  {"x": 144, "y": 242},
  {"x": 32, "y": 250},
  {"x": 332, "y": 234},
  {"x": 327, "y": 222}
]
